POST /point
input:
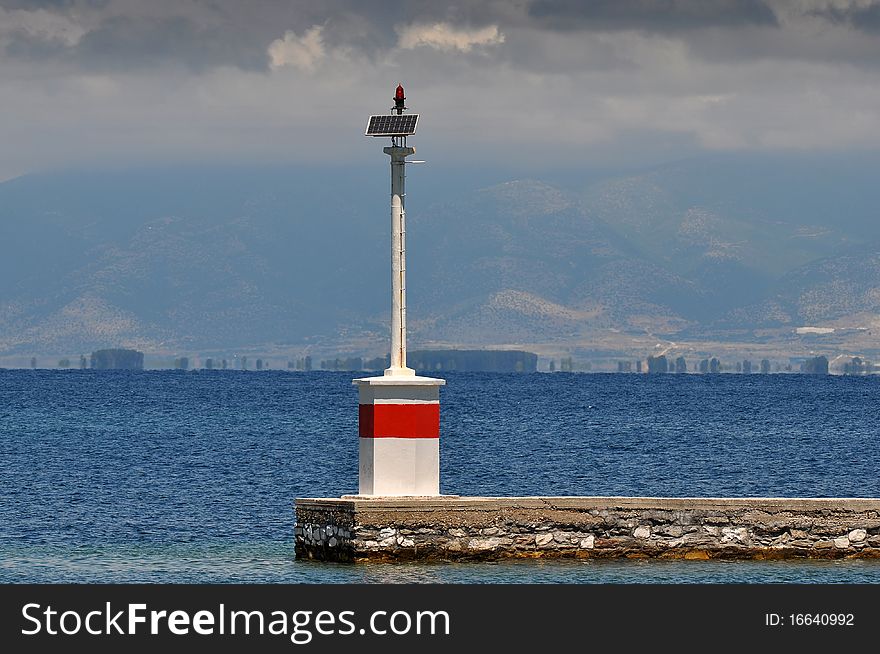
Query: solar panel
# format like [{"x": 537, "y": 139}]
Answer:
[{"x": 392, "y": 125}]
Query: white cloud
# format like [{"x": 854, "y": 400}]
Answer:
[
  {"x": 303, "y": 52},
  {"x": 42, "y": 25},
  {"x": 443, "y": 36}
]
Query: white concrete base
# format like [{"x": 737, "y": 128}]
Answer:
[
  {"x": 400, "y": 372},
  {"x": 399, "y": 466},
  {"x": 399, "y": 380},
  {"x": 399, "y": 434}
]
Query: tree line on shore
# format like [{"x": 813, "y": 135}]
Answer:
[
  {"x": 470, "y": 360},
  {"x": 817, "y": 365}
]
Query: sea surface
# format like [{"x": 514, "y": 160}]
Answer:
[{"x": 171, "y": 476}]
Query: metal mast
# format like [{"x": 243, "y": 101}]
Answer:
[
  {"x": 398, "y": 126},
  {"x": 398, "y": 155}
]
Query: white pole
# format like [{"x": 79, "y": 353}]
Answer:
[{"x": 398, "y": 261}]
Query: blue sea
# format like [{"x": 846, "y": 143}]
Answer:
[{"x": 171, "y": 476}]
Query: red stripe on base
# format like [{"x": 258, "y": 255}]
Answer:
[{"x": 399, "y": 420}]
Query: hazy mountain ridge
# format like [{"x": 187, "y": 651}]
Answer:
[
  {"x": 197, "y": 260},
  {"x": 827, "y": 290},
  {"x": 182, "y": 272}
]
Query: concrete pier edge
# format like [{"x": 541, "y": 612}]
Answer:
[{"x": 357, "y": 528}]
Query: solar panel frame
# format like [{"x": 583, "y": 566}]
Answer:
[{"x": 392, "y": 125}]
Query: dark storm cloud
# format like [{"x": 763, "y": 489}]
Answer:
[
  {"x": 121, "y": 80},
  {"x": 650, "y": 15},
  {"x": 387, "y": 13},
  {"x": 203, "y": 35},
  {"x": 127, "y": 35},
  {"x": 368, "y": 26},
  {"x": 36, "y": 4},
  {"x": 21, "y": 46},
  {"x": 865, "y": 19},
  {"x": 124, "y": 43}
]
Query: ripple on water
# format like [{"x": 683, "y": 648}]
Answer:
[{"x": 170, "y": 476}]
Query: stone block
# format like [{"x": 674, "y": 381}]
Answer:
[
  {"x": 734, "y": 535},
  {"x": 857, "y": 535},
  {"x": 543, "y": 539},
  {"x": 484, "y": 543}
]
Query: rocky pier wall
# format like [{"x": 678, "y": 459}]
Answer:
[{"x": 354, "y": 528}]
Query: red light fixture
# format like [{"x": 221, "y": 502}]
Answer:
[{"x": 399, "y": 99}]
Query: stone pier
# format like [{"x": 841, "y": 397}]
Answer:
[{"x": 355, "y": 528}]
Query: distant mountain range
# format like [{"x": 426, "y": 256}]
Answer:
[{"x": 219, "y": 259}]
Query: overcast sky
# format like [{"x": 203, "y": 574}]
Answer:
[{"x": 106, "y": 82}]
